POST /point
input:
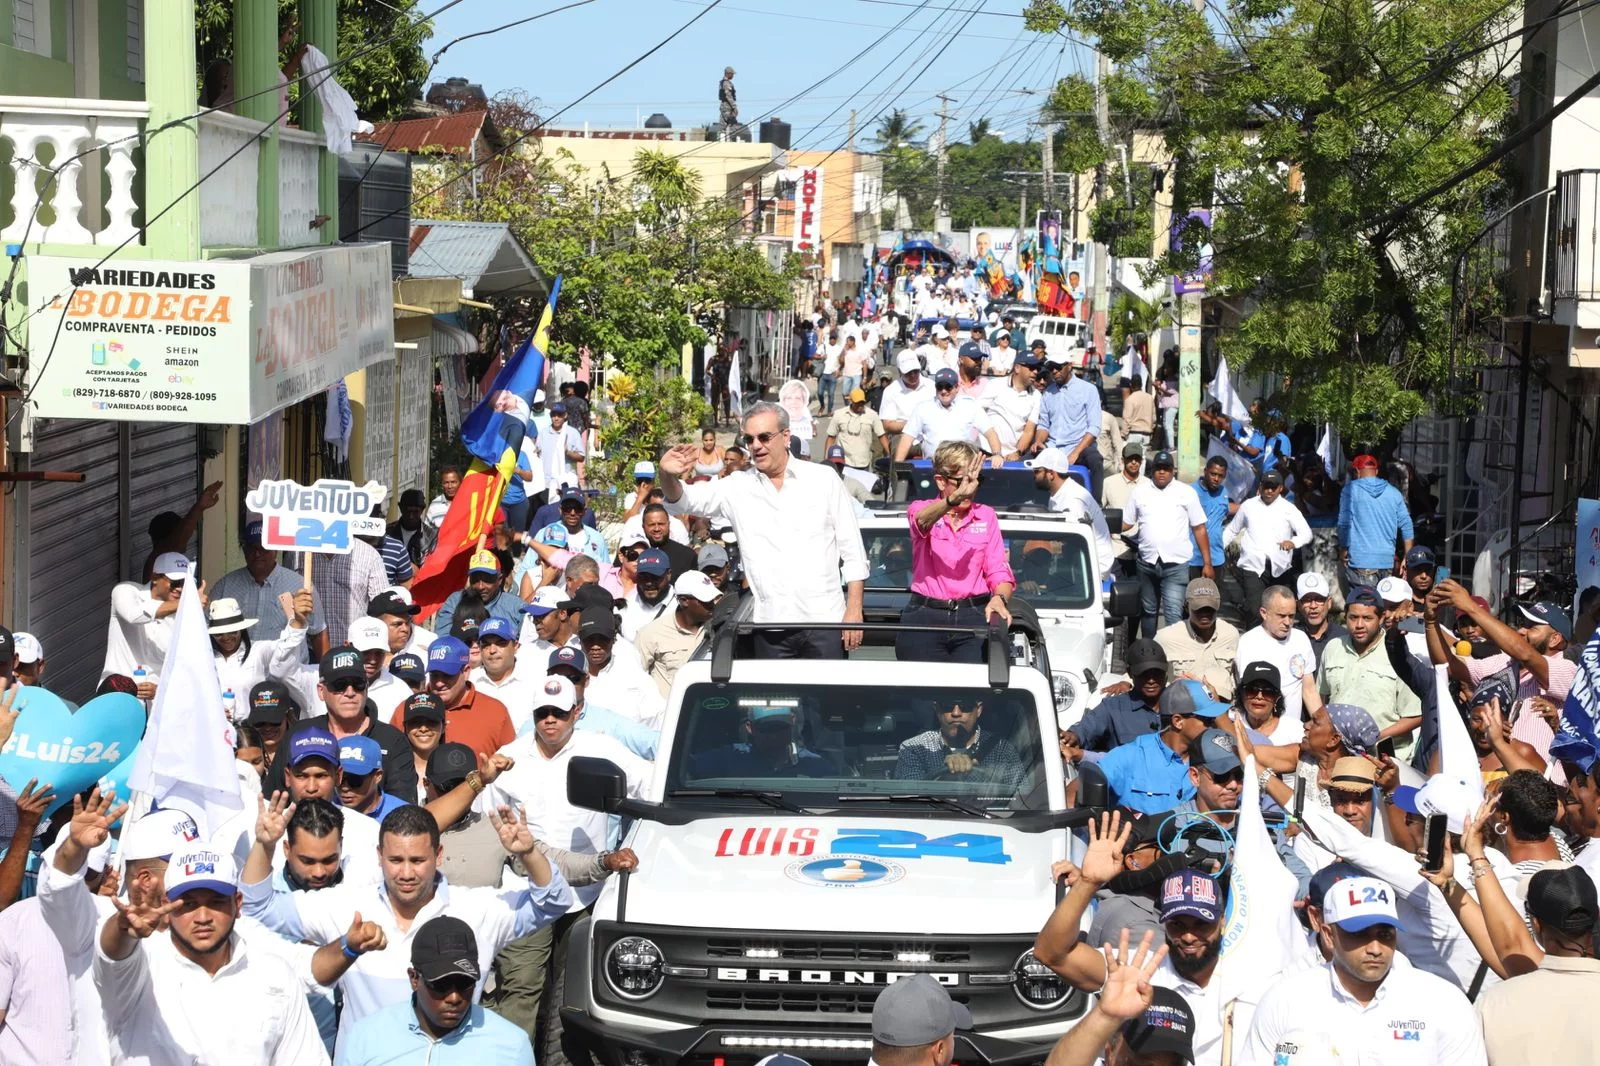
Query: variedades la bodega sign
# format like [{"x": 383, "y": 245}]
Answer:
[{"x": 324, "y": 517}]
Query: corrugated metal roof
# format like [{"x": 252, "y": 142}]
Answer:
[
  {"x": 441, "y": 133},
  {"x": 484, "y": 255}
]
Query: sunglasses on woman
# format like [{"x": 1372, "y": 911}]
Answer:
[{"x": 632, "y": 554}]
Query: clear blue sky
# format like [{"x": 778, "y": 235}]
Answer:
[{"x": 778, "y": 47}]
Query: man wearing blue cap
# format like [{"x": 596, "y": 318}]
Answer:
[
  {"x": 1359, "y": 1002},
  {"x": 948, "y": 416},
  {"x": 1014, "y": 407},
  {"x": 772, "y": 746},
  {"x": 1151, "y": 773},
  {"x": 500, "y": 672},
  {"x": 570, "y": 532},
  {"x": 361, "y": 779},
  {"x": 479, "y": 721},
  {"x": 651, "y": 596}
]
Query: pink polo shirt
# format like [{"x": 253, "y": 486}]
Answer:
[{"x": 955, "y": 561}]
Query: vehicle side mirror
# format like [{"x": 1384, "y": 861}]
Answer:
[
  {"x": 1092, "y": 788},
  {"x": 1124, "y": 600},
  {"x": 1113, "y": 520},
  {"x": 595, "y": 784}
]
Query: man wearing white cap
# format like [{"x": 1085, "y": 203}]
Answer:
[
  {"x": 666, "y": 643},
  {"x": 938, "y": 353},
  {"x": 30, "y": 664},
  {"x": 200, "y": 993},
  {"x": 904, "y": 396},
  {"x": 1362, "y": 1004},
  {"x": 141, "y": 620},
  {"x": 1314, "y": 598},
  {"x": 1051, "y": 473}
]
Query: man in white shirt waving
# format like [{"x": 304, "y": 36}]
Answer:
[
  {"x": 1269, "y": 529},
  {"x": 1165, "y": 511},
  {"x": 797, "y": 535}
]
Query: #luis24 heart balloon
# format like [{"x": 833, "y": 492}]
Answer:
[{"x": 69, "y": 750}]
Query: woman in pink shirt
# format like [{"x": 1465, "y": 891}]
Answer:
[{"x": 959, "y": 572}]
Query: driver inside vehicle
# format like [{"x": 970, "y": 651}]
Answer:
[
  {"x": 771, "y": 749},
  {"x": 1035, "y": 576},
  {"x": 958, "y": 749}
]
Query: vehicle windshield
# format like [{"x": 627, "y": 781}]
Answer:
[
  {"x": 824, "y": 745},
  {"x": 1005, "y": 489},
  {"x": 1052, "y": 566}
]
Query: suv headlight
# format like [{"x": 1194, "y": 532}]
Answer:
[
  {"x": 1037, "y": 984},
  {"x": 634, "y": 968},
  {"x": 1065, "y": 689}
]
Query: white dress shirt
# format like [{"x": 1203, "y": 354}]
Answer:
[
  {"x": 538, "y": 783},
  {"x": 1293, "y": 656},
  {"x": 800, "y": 544},
  {"x": 1206, "y": 1005},
  {"x": 516, "y": 690},
  {"x": 378, "y": 979},
  {"x": 1416, "y": 1019},
  {"x": 388, "y": 692},
  {"x": 933, "y": 423},
  {"x": 1261, "y": 528},
  {"x": 239, "y": 673},
  {"x": 1165, "y": 518},
  {"x": 624, "y": 686},
  {"x": 1072, "y": 498},
  {"x": 136, "y": 636},
  {"x": 898, "y": 401},
  {"x": 161, "y": 1008},
  {"x": 1010, "y": 412}
]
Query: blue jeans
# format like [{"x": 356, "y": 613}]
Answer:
[
  {"x": 848, "y": 382},
  {"x": 1354, "y": 576},
  {"x": 825, "y": 393},
  {"x": 1161, "y": 586}
]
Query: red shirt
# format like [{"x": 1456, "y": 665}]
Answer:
[
  {"x": 478, "y": 721},
  {"x": 958, "y": 558}
]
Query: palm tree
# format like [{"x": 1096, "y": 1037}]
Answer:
[
  {"x": 977, "y": 131},
  {"x": 897, "y": 131}
]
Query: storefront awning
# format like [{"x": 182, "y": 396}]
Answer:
[
  {"x": 219, "y": 342},
  {"x": 452, "y": 340}
]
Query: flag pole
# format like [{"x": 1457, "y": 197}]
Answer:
[{"x": 306, "y": 555}]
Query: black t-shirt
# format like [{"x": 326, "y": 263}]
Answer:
[
  {"x": 399, "y": 765},
  {"x": 1333, "y": 632},
  {"x": 577, "y": 412},
  {"x": 682, "y": 557}
]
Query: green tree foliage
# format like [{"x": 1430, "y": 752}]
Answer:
[
  {"x": 644, "y": 254},
  {"x": 383, "y": 80},
  {"x": 980, "y": 181},
  {"x": 1304, "y": 125}
]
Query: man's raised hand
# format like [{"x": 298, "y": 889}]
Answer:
[
  {"x": 92, "y": 821},
  {"x": 272, "y": 819}
]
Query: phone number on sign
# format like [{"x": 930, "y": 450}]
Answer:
[
  {"x": 183, "y": 396},
  {"x": 111, "y": 394}
]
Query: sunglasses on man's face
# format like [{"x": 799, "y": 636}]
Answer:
[
  {"x": 944, "y": 388},
  {"x": 348, "y": 684},
  {"x": 1232, "y": 777},
  {"x": 454, "y": 983},
  {"x": 572, "y": 508},
  {"x": 763, "y": 438},
  {"x": 542, "y": 713}
]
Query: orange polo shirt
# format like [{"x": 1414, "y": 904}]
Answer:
[{"x": 478, "y": 721}]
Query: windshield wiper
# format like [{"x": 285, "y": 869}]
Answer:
[
  {"x": 774, "y": 800},
  {"x": 946, "y": 802}
]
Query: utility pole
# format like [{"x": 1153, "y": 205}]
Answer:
[
  {"x": 1048, "y": 162},
  {"x": 1189, "y": 309},
  {"x": 850, "y": 142},
  {"x": 1102, "y": 252},
  {"x": 941, "y": 211}
]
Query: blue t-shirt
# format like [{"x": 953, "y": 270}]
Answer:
[{"x": 1215, "y": 505}]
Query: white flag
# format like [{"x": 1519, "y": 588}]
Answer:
[
  {"x": 1457, "y": 757},
  {"x": 1261, "y": 931},
  {"x": 1331, "y": 451},
  {"x": 735, "y": 406},
  {"x": 186, "y": 758},
  {"x": 1222, "y": 391}
]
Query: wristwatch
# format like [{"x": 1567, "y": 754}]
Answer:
[
  {"x": 475, "y": 779},
  {"x": 1263, "y": 778}
]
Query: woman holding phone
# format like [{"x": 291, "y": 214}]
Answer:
[{"x": 960, "y": 575}]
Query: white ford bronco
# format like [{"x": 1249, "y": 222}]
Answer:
[{"x": 814, "y": 831}]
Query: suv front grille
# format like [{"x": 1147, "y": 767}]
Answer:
[
  {"x": 874, "y": 952},
  {"x": 791, "y": 1000}
]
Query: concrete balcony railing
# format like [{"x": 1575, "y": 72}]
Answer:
[
  {"x": 229, "y": 207},
  {"x": 94, "y": 196}
]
